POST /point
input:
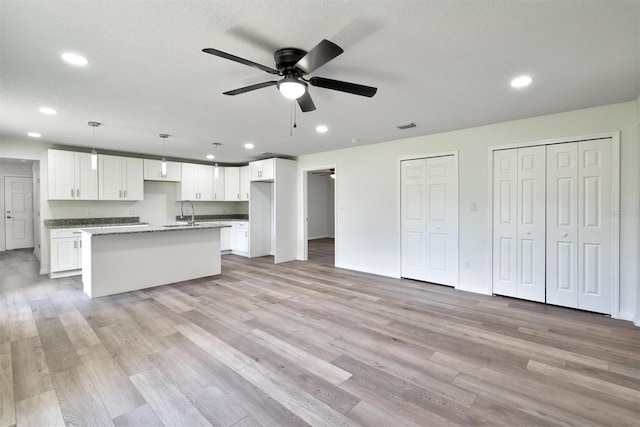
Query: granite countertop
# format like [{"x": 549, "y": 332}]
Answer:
[
  {"x": 92, "y": 222},
  {"x": 210, "y": 218},
  {"x": 147, "y": 229}
]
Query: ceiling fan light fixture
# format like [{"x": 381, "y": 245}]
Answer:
[{"x": 291, "y": 88}]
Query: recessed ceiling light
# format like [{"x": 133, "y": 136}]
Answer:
[
  {"x": 210, "y": 156},
  {"x": 321, "y": 129},
  {"x": 521, "y": 81},
  {"x": 34, "y": 134},
  {"x": 249, "y": 146},
  {"x": 75, "y": 59},
  {"x": 48, "y": 111}
]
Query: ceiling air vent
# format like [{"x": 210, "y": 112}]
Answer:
[{"x": 406, "y": 125}]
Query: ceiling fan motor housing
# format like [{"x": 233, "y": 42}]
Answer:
[{"x": 286, "y": 60}]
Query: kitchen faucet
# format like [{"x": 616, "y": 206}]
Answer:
[{"x": 193, "y": 220}]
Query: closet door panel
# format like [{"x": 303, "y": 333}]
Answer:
[
  {"x": 595, "y": 226},
  {"x": 562, "y": 224},
  {"x": 530, "y": 261},
  {"x": 442, "y": 224},
  {"x": 413, "y": 219},
  {"x": 505, "y": 226}
]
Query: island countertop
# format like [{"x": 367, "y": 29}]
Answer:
[{"x": 147, "y": 229}]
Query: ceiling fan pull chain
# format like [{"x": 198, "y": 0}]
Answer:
[
  {"x": 291, "y": 120},
  {"x": 293, "y": 107}
]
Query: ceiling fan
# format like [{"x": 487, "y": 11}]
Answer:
[{"x": 293, "y": 64}]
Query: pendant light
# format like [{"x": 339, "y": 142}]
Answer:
[
  {"x": 216, "y": 169},
  {"x": 94, "y": 153},
  {"x": 163, "y": 165}
]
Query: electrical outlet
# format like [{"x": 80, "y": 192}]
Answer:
[
  {"x": 466, "y": 264},
  {"x": 91, "y": 214}
]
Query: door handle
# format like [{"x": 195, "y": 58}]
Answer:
[
  {"x": 564, "y": 234},
  {"x": 125, "y": 194},
  {"x": 9, "y": 217},
  {"x": 528, "y": 233}
]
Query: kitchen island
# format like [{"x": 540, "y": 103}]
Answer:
[{"x": 116, "y": 260}]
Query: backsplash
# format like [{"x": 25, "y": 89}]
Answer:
[{"x": 158, "y": 207}]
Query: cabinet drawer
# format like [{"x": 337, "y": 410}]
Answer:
[
  {"x": 59, "y": 233},
  {"x": 241, "y": 224}
]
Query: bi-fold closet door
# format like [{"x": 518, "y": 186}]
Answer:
[
  {"x": 551, "y": 232},
  {"x": 429, "y": 219}
]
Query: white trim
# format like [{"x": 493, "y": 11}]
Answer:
[
  {"x": 615, "y": 203},
  {"x": 399, "y": 160},
  {"x": 305, "y": 205}
]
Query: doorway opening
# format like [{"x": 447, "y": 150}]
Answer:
[
  {"x": 320, "y": 220},
  {"x": 19, "y": 201}
]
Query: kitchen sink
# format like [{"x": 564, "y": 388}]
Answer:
[{"x": 179, "y": 225}]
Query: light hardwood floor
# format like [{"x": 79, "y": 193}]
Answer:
[{"x": 304, "y": 344}]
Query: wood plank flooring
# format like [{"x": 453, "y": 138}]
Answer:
[{"x": 304, "y": 343}]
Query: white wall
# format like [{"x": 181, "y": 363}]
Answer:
[
  {"x": 367, "y": 229},
  {"x": 320, "y": 206},
  {"x": 158, "y": 207}
]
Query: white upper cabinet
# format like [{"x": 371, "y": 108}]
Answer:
[
  {"x": 153, "y": 171},
  {"x": 245, "y": 182},
  {"x": 121, "y": 178},
  {"x": 262, "y": 170},
  {"x": 232, "y": 184},
  {"x": 218, "y": 183},
  {"x": 70, "y": 176},
  {"x": 196, "y": 183}
]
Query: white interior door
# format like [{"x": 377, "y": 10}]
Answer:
[
  {"x": 429, "y": 219},
  {"x": 442, "y": 220},
  {"x": 413, "y": 224},
  {"x": 562, "y": 224},
  {"x": 18, "y": 204},
  {"x": 505, "y": 225},
  {"x": 530, "y": 259},
  {"x": 595, "y": 226}
]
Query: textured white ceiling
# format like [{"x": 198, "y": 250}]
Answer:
[{"x": 444, "y": 65}]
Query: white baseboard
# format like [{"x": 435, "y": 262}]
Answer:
[{"x": 385, "y": 273}]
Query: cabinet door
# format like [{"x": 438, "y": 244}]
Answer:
[
  {"x": 61, "y": 175},
  {"x": 132, "y": 179},
  {"x": 173, "y": 172},
  {"x": 219, "y": 183},
  {"x": 241, "y": 238},
  {"x": 245, "y": 182},
  {"x": 232, "y": 184},
  {"x": 225, "y": 239},
  {"x": 110, "y": 182},
  {"x": 188, "y": 188},
  {"x": 85, "y": 177},
  {"x": 153, "y": 171},
  {"x": 205, "y": 183},
  {"x": 64, "y": 254},
  {"x": 268, "y": 169},
  {"x": 256, "y": 170}
]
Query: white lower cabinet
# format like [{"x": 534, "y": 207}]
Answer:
[
  {"x": 225, "y": 237},
  {"x": 240, "y": 238},
  {"x": 66, "y": 252}
]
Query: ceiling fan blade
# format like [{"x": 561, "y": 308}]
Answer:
[
  {"x": 240, "y": 60},
  {"x": 250, "y": 88},
  {"x": 306, "y": 103},
  {"x": 341, "y": 86},
  {"x": 322, "y": 53}
]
